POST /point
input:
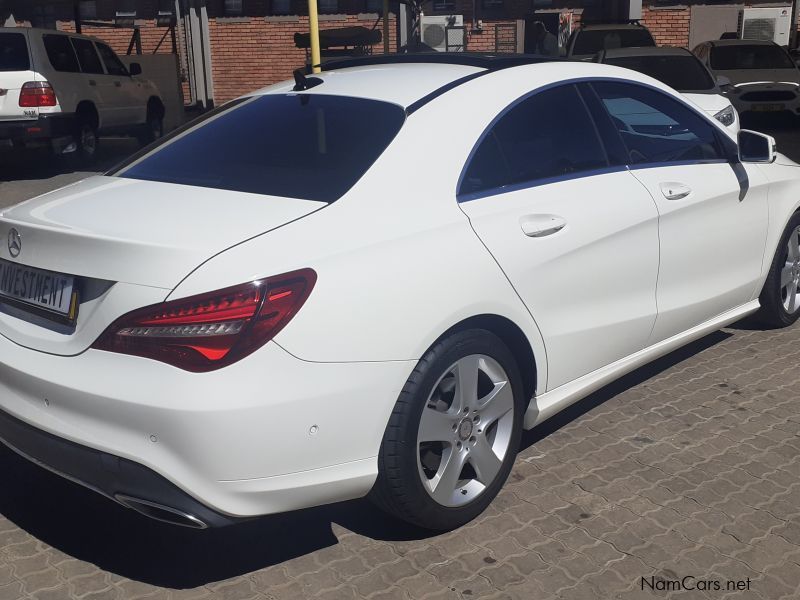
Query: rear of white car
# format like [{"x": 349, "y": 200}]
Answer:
[{"x": 30, "y": 111}]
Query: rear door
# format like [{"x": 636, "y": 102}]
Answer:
[
  {"x": 573, "y": 231},
  {"x": 16, "y": 68},
  {"x": 92, "y": 68}
]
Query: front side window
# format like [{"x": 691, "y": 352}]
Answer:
[
  {"x": 60, "y": 53},
  {"x": 87, "y": 56},
  {"x": 112, "y": 62},
  {"x": 14, "y": 52},
  {"x": 756, "y": 56},
  {"x": 656, "y": 128},
  {"x": 550, "y": 134},
  {"x": 308, "y": 146},
  {"x": 592, "y": 41},
  {"x": 683, "y": 73}
]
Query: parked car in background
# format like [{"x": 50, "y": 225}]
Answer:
[
  {"x": 64, "y": 90},
  {"x": 589, "y": 39},
  {"x": 264, "y": 313},
  {"x": 681, "y": 70},
  {"x": 763, "y": 77}
]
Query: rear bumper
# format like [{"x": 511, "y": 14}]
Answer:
[
  {"x": 46, "y": 127},
  {"x": 116, "y": 478},
  {"x": 268, "y": 434}
]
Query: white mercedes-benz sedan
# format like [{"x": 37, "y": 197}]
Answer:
[{"x": 370, "y": 281}]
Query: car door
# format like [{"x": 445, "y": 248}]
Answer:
[
  {"x": 92, "y": 68},
  {"x": 712, "y": 209},
  {"x": 574, "y": 232},
  {"x": 132, "y": 108}
]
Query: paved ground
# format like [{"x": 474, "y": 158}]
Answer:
[{"x": 689, "y": 467}]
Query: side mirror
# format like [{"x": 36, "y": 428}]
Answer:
[
  {"x": 135, "y": 69},
  {"x": 723, "y": 81},
  {"x": 756, "y": 147}
]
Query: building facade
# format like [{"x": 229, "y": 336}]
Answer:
[{"x": 229, "y": 47}]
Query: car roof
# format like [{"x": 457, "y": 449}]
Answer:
[
  {"x": 43, "y": 30},
  {"x": 413, "y": 85},
  {"x": 647, "y": 51},
  {"x": 404, "y": 79},
  {"x": 611, "y": 26},
  {"x": 742, "y": 43}
]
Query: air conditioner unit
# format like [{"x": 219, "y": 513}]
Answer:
[
  {"x": 766, "y": 24},
  {"x": 444, "y": 33}
]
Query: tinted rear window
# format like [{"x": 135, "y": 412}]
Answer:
[
  {"x": 308, "y": 146},
  {"x": 591, "y": 41},
  {"x": 14, "y": 52},
  {"x": 679, "y": 72},
  {"x": 60, "y": 53},
  {"x": 731, "y": 58}
]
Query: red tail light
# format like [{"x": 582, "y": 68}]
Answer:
[
  {"x": 209, "y": 331},
  {"x": 37, "y": 93}
]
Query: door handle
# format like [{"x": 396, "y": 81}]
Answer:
[
  {"x": 541, "y": 225},
  {"x": 673, "y": 190}
]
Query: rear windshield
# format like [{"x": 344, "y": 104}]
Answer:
[
  {"x": 591, "y": 41},
  {"x": 14, "y": 52},
  {"x": 680, "y": 72},
  {"x": 732, "y": 58},
  {"x": 308, "y": 146}
]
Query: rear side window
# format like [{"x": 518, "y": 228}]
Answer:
[
  {"x": 60, "y": 53},
  {"x": 308, "y": 146},
  {"x": 547, "y": 135},
  {"x": 87, "y": 56},
  {"x": 757, "y": 56},
  {"x": 113, "y": 64},
  {"x": 656, "y": 128},
  {"x": 14, "y": 52},
  {"x": 591, "y": 41}
]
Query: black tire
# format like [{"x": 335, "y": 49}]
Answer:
[
  {"x": 153, "y": 128},
  {"x": 87, "y": 141},
  {"x": 399, "y": 488},
  {"x": 773, "y": 313}
]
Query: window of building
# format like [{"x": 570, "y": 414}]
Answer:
[
  {"x": 281, "y": 7},
  {"x": 60, "y": 53},
  {"x": 547, "y": 135},
  {"x": 232, "y": 8},
  {"x": 373, "y": 6},
  {"x": 126, "y": 8},
  {"x": 328, "y": 6},
  {"x": 87, "y": 9},
  {"x": 656, "y": 128},
  {"x": 492, "y": 4},
  {"x": 444, "y": 5},
  {"x": 87, "y": 56},
  {"x": 113, "y": 64}
]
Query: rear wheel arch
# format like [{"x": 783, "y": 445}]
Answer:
[
  {"x": 155, "y": 106},
  {"x": 86, "y": 110},
  {"x": 513, "y": 337}
]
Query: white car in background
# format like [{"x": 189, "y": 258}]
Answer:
[
  {"x": 681, "y": 70},
  {"x": 282, "y": 305},
  {"x": 763, "y": 77},
  {"x": 64, "y": 90}
]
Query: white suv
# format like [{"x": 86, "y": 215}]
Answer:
[{"x": 63, "y": 90}]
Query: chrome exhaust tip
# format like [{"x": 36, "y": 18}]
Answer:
[{"x": 162, "y": 513}]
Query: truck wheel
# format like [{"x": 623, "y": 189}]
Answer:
[
  {"x": 153, "y": 129},
  {"x": 87, "y": 142}
]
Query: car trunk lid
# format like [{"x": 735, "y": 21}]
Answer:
[{"x": 127, "y": 243}]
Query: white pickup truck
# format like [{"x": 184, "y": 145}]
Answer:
[{"x": 63, "y": 90}]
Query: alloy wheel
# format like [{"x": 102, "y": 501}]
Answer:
[
  {"x": 465, "y": 430},
  {"x": 790, "y": 274}
]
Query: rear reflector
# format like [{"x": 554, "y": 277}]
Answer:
[
  {"x": 37, "y": 93},
  {"x": 209, "y": 331}
]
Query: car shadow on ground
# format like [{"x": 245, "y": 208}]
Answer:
[{"x": 91, "y": 528}]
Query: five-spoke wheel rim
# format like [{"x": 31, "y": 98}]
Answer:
[
  {"x": 465, "y": 430},
  {"x": 790, "y": 274}
]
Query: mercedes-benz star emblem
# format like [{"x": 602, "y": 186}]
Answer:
[{"x": 14, "y": 243}]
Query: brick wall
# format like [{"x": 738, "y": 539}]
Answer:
[
  {"x": 669, "y": 26},
  {"x": 250, "y": 53}
]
